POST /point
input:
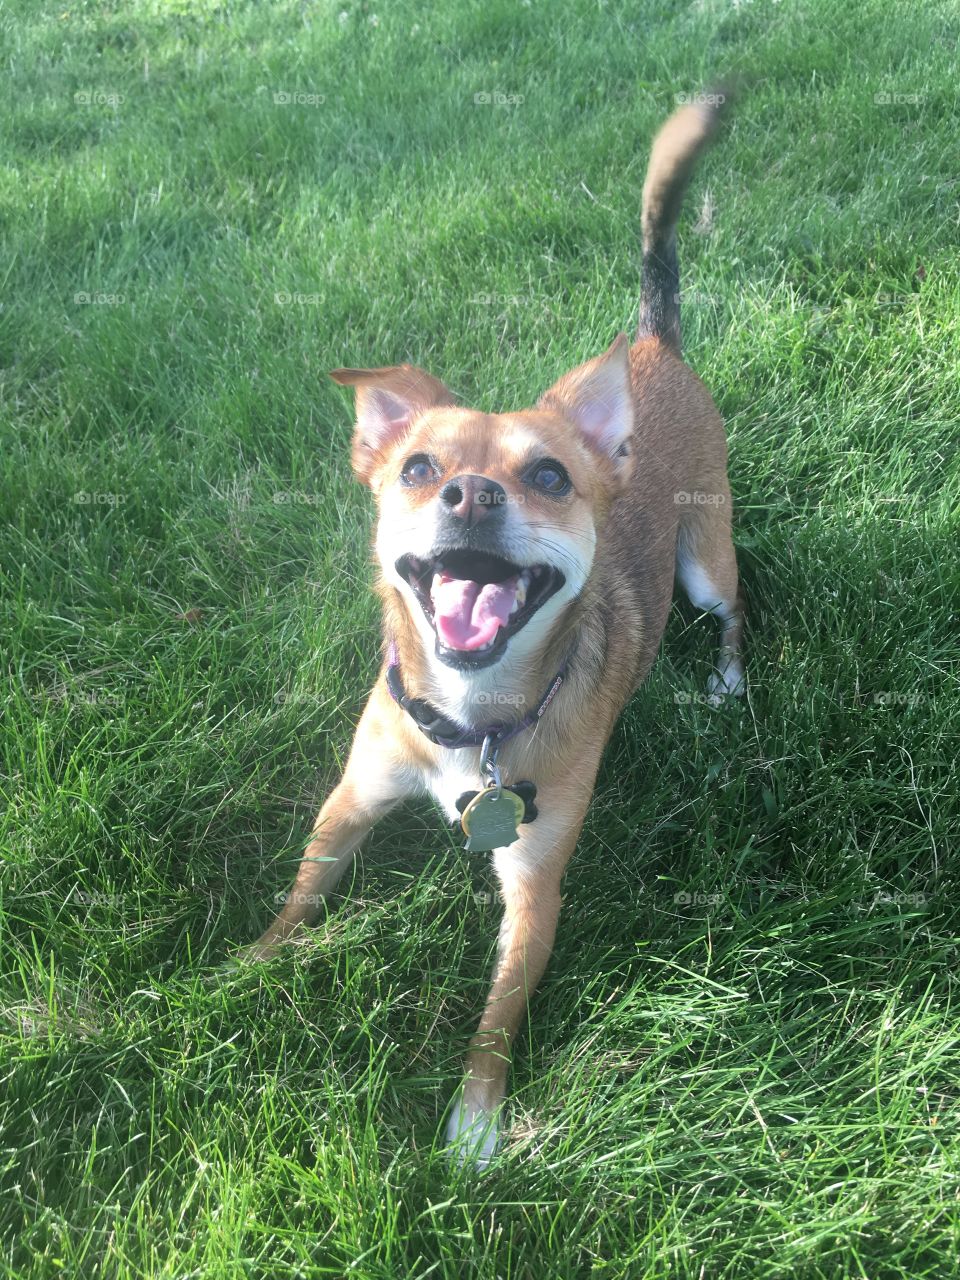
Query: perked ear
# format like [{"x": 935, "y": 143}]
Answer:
[
  {"x": 388, "y": 400},
  {"x": 597, "y": 397}
]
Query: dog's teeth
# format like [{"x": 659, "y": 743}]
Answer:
[{"x": 520, "y": 597}]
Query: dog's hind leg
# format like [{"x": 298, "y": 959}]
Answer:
[{"x": 707, "y": 570}]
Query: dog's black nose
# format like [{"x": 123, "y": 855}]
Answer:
[{"x": 472, "y": 498}]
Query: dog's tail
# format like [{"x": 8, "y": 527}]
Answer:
[{"x": 673, "y": 156}]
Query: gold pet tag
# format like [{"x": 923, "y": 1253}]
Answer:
[{"x": 491, "y": 819}]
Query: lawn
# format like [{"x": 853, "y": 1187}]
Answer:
[{"x": 744, "y": 1058}]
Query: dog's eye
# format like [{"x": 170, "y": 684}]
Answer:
[
  {"x": 418, "y": 470},
  {"x": 550, "y": 477}
]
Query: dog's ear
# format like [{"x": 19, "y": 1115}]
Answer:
[
  {"x": 388, "y": 400},
  {"x": 596, "y": 396}
]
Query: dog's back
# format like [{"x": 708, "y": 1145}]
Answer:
[{"x": 674, "y": 519}]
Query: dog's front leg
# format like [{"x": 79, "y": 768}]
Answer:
[
  {"x": 340, "y": 826},
  {"x": 373, "y": 782},
  {"x": 530, "y": 872}
]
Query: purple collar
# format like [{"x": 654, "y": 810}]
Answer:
[{"x": 443, "y": 732}]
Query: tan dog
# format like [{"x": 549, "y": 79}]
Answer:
[{"x": 527, "y": 563}]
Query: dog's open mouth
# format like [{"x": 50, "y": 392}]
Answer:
[{"x": 475, "y": 601}]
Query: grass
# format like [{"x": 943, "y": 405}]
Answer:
[{"x": 744, "y": 1058}]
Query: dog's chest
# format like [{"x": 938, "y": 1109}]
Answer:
[{"x": 456, "y": 772}]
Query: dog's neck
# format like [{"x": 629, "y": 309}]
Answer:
[{"x": 501, "y": 694}]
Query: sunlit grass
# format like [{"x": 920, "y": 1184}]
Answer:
[{"x": 743, "y": 1059}]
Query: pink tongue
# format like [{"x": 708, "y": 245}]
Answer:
[{"x": 468, "y": 615}]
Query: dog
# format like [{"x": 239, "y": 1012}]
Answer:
[{"x": 526, "y": 565}]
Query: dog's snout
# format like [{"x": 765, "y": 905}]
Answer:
[{"x": 472, "y": 498}]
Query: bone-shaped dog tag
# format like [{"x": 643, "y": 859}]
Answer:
[{"x": 491, "y": 819}]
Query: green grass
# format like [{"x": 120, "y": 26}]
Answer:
[{"x": 744, "y": 1058}]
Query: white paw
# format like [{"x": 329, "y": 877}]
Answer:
[
  {"x": 471, "y": 1134},
  {"x": 729, "y": 681}
]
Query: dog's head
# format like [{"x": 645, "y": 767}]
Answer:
[{"x": 488, "y": 523}]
